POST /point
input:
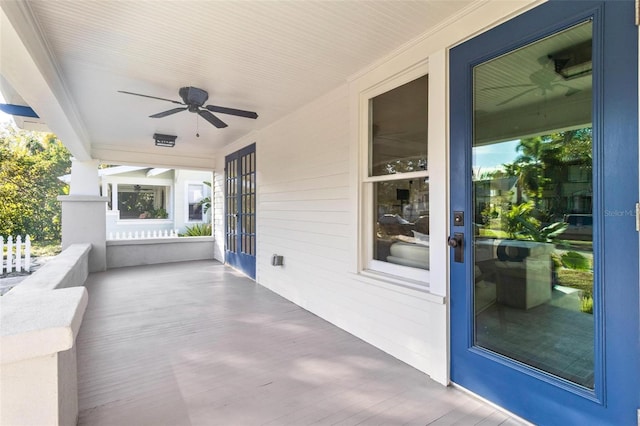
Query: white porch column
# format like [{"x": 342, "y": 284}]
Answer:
[{"x": 84, "y": 213}]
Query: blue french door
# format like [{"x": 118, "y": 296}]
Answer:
[
  {"x": 544, "y": 183},
  {"x": 240, "y": 214}
]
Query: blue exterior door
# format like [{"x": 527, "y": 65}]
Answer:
[
  {"x": 544, "y": 184},
  {"x": 240, "y": 214}
]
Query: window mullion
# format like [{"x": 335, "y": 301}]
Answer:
[{"x": 397, "y": 176}]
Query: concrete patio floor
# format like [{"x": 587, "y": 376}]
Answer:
[{"x": 196, "y": 343}]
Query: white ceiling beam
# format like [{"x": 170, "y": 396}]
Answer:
[
  {"x": 156, "y": 172},
  {"x": 28, "y": 66}
]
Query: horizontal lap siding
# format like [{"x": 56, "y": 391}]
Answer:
[
  {"x": 303, "y": 194},
  {"x": 305, "y": 200}
]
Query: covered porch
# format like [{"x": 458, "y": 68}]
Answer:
[
  {"x": 198, "y": 343},
  {"x": 348, "y": 320}
]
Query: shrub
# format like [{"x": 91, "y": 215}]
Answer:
[
  {"x": 198, "y": 230},
  {"x": 574, "y": 260},
  {"x": 586, "y": 304}
]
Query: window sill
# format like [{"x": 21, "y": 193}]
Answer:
[{"x": 406, "y": 286}]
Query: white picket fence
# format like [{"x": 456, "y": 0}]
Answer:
[
  {"x": 15, "y": 257},
  {"x": 142, "y": 235}
]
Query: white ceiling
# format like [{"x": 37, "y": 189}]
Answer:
[
  {"x": 526, "y": 76},
  {"x": 266, "y": 56}
]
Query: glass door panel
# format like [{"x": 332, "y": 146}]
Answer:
[{"x": 532, "y": 205}]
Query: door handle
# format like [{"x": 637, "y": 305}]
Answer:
[{"x": 457, "y": 243}]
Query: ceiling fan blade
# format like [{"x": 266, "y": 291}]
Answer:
[
  {"x": 570, "y": 90},
  {"x": 232, "y": 111},
  {"x": 516, "y": 96},
  {"x": 169, "y": 112},
  {"x": 212, "y": 118},
  {"x": 152, "y": 97}
]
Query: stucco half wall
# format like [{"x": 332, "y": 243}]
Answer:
[{"x": 121, "y": 253}]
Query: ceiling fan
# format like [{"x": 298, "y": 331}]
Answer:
[
  {"x": 138, "y": 188},
  {"x": 193, "y": 100},
  {"x": 544, "y": 79}
]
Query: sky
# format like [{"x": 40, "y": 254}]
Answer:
[
  {"x": 494, "y": 155},
  {"x": 4, "y": 117}
]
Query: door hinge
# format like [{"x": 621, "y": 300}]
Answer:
[
  {"x": 638, "y": 217},
  {"x": 637, "y": 12}
]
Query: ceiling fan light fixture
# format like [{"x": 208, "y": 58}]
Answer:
[
  {"x": 573, "y": 62},
  {"x": 167, "y": 141}
]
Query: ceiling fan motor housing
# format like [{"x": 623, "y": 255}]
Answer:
[{"x": 193, "y": 97}]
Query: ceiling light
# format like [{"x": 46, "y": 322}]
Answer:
[
  {"x": 574, "y": 61},
  {"x": 168, "y": 141}
]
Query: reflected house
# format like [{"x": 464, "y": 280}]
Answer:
[
  {"x": 571, "y": 188},
  {"x": 567, "y": 189},
  {"x": 352, "y": 194},
  {"x": 493, "y": 193}
]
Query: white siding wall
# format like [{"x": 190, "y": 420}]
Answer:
[
  {"x": 305, "y": 213},
  {"x": 182, "y": 178},
  {"x": 218, "y": 209}
]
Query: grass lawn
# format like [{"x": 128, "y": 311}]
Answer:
[
  {"x": 45, "y": 248},
  {"x": 582, "y": 280},
  {"x": 495, "y": 233}
]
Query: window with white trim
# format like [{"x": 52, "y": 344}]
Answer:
[
  {"x": 396, "y": 183},
  {"x": 142, "y": 201},
  {"x": 195, "y": 195}
]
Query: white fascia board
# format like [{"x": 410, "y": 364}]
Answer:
[
  {"x": 106, "y": 172},
  {"x": 119, "y": 170},
  {"x": 28, "y": 66},
  {"x": 160, "y": 158},
  {"x": 156, "y": 172}
]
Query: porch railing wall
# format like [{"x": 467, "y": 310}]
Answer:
[
  {"x": 15, "y": 256},
  {"x": 39, "y": 322},
  {"x": 143, "y": 235}
]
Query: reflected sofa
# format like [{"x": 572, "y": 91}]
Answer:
[{"x": 402, "y": 242}]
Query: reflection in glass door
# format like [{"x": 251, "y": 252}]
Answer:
[{"x": 532, "y": 205}]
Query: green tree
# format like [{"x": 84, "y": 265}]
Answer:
[
  {"x": 541, "y": 162},
  {"x": 30, "y": 163},
  {"x": 529, "y": 168}
]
